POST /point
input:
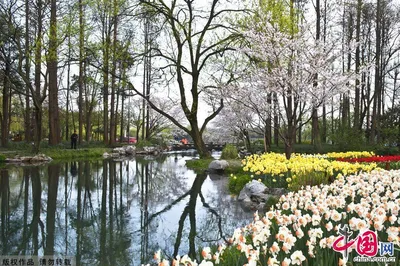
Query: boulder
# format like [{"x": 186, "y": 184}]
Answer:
[
  {"x": 149, "y": 149},
  {"x": 26, "y": 159},
  {"x": 106, "y": 155},
  {"x": 130, "y": 150},
  {"x": 218, "y": 166},
  {"x": 13, "y": 160},
  {"x": 255, "y": 194},
  {"x": 119, "y": 150},
  {"x": 40, "y": 158},
  {"x": 254, "y": 189}
]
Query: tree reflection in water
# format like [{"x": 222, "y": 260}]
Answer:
[{"x": 113, "y": 212}]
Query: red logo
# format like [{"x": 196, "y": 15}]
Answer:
[{"x": 367, "y": 243}]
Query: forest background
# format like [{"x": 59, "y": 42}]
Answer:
[{"x": 288, "y": 71}]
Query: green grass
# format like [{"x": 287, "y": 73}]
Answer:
[
  {"x": 201, "y": 165},
  {"x": 58, "y": 152}
]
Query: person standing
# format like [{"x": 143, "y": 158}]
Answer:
[{"x": 74, "y": 139}]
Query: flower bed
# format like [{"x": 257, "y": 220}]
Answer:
[
  {"x": 387, "y": 162},
  {"x": 299, "y": 170},
  {"x": 303, "y": 228},
  {"x": 350, "y": 154},
  {"x": 372, "y": 159}
]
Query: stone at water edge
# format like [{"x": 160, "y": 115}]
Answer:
[
  {"x": 218, "y": 165},
  {"x": 120, "y": 151},
  {"x": 41, "y": 158},
  {"x": 26, "y": 158},
  {"x": 130, "y": 150},
  {"x": 255, "y": 194},
  {"x": 253, "y": 188}
]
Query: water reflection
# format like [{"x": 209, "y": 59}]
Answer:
[{"x": 113, "y": 212}]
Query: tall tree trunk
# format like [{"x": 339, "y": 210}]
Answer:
[
  {"x": 28, "y": 134},
  {"x": 54, "y": 120},
  {"x": 121, "y": 130},
  {"x": 346, "y": 96},
  {"x": 105, "y": 88},
  {"x": 290, "y": 132},
  {"x": 268, "y": 125},
  {"x": 316, "y": 138},
  {"x": 324, "y": 124},
  {"x": 199, "y": 142},
  {"x": 106, "y": 39},
  {"x": 67, "y": 137},
  {"x": 377, "y": 93},
  {"x": 357, "y": 62},
  {"x": 145, "y": 78},
  {"x": 396, "y": 74},
  {"x": 81, "y": 74},
  {"x": 148, "y": 78},
  {"x": 89, "y": 107},
  {"x": 38, "y": 68},
  {"x": 276, "y": 120},
  {"x": 113, "y": 73},
  {"x": 5, "y": 122}
]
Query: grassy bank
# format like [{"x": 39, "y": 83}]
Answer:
[
  {"x": 59, "y": 152},
  {"x": 201, "y": 165}
]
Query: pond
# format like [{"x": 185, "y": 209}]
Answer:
[{"x": 108, "y": 212}]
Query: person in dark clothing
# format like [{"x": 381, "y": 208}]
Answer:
[{"x": 74, "y": 139}]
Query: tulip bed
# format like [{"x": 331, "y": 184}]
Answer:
[
  {"x": 303, "y": 226},
  {"x": 275, "y": 170},
  {"x": 387, "y": 162}
]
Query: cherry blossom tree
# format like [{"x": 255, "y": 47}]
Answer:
[
  {"x": 301, "y": 71},
  {"x": 235, "y": 119}
]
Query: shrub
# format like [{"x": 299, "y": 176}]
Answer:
[
  {"x": 229, "y": 152},
  {"x": 143, "y": 143},
  {"x": 237, "y": 182},
  {"x": 198, "y": 165}
]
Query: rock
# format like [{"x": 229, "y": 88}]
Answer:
[
  {"x": 218, "y": 166},
  {"x": 120, "y": 151},
  {"x": 106, "y": 155},
  {"x": 26, "y": 159},
  {"x": 13, "y": 160},
  {"x": 40, "y": 158},
  {"x": 149, "y": 149},
  {"x": 255, "y": 194},
  {"x": 254, "y": 188},
  {"x": 130, "y": 150},
  {"x": 115, "y": 154}
]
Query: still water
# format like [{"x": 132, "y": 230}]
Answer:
[{"x": 110, "y": 212}]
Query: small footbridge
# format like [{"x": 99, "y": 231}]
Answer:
[{"x": 190, "y": 146}]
